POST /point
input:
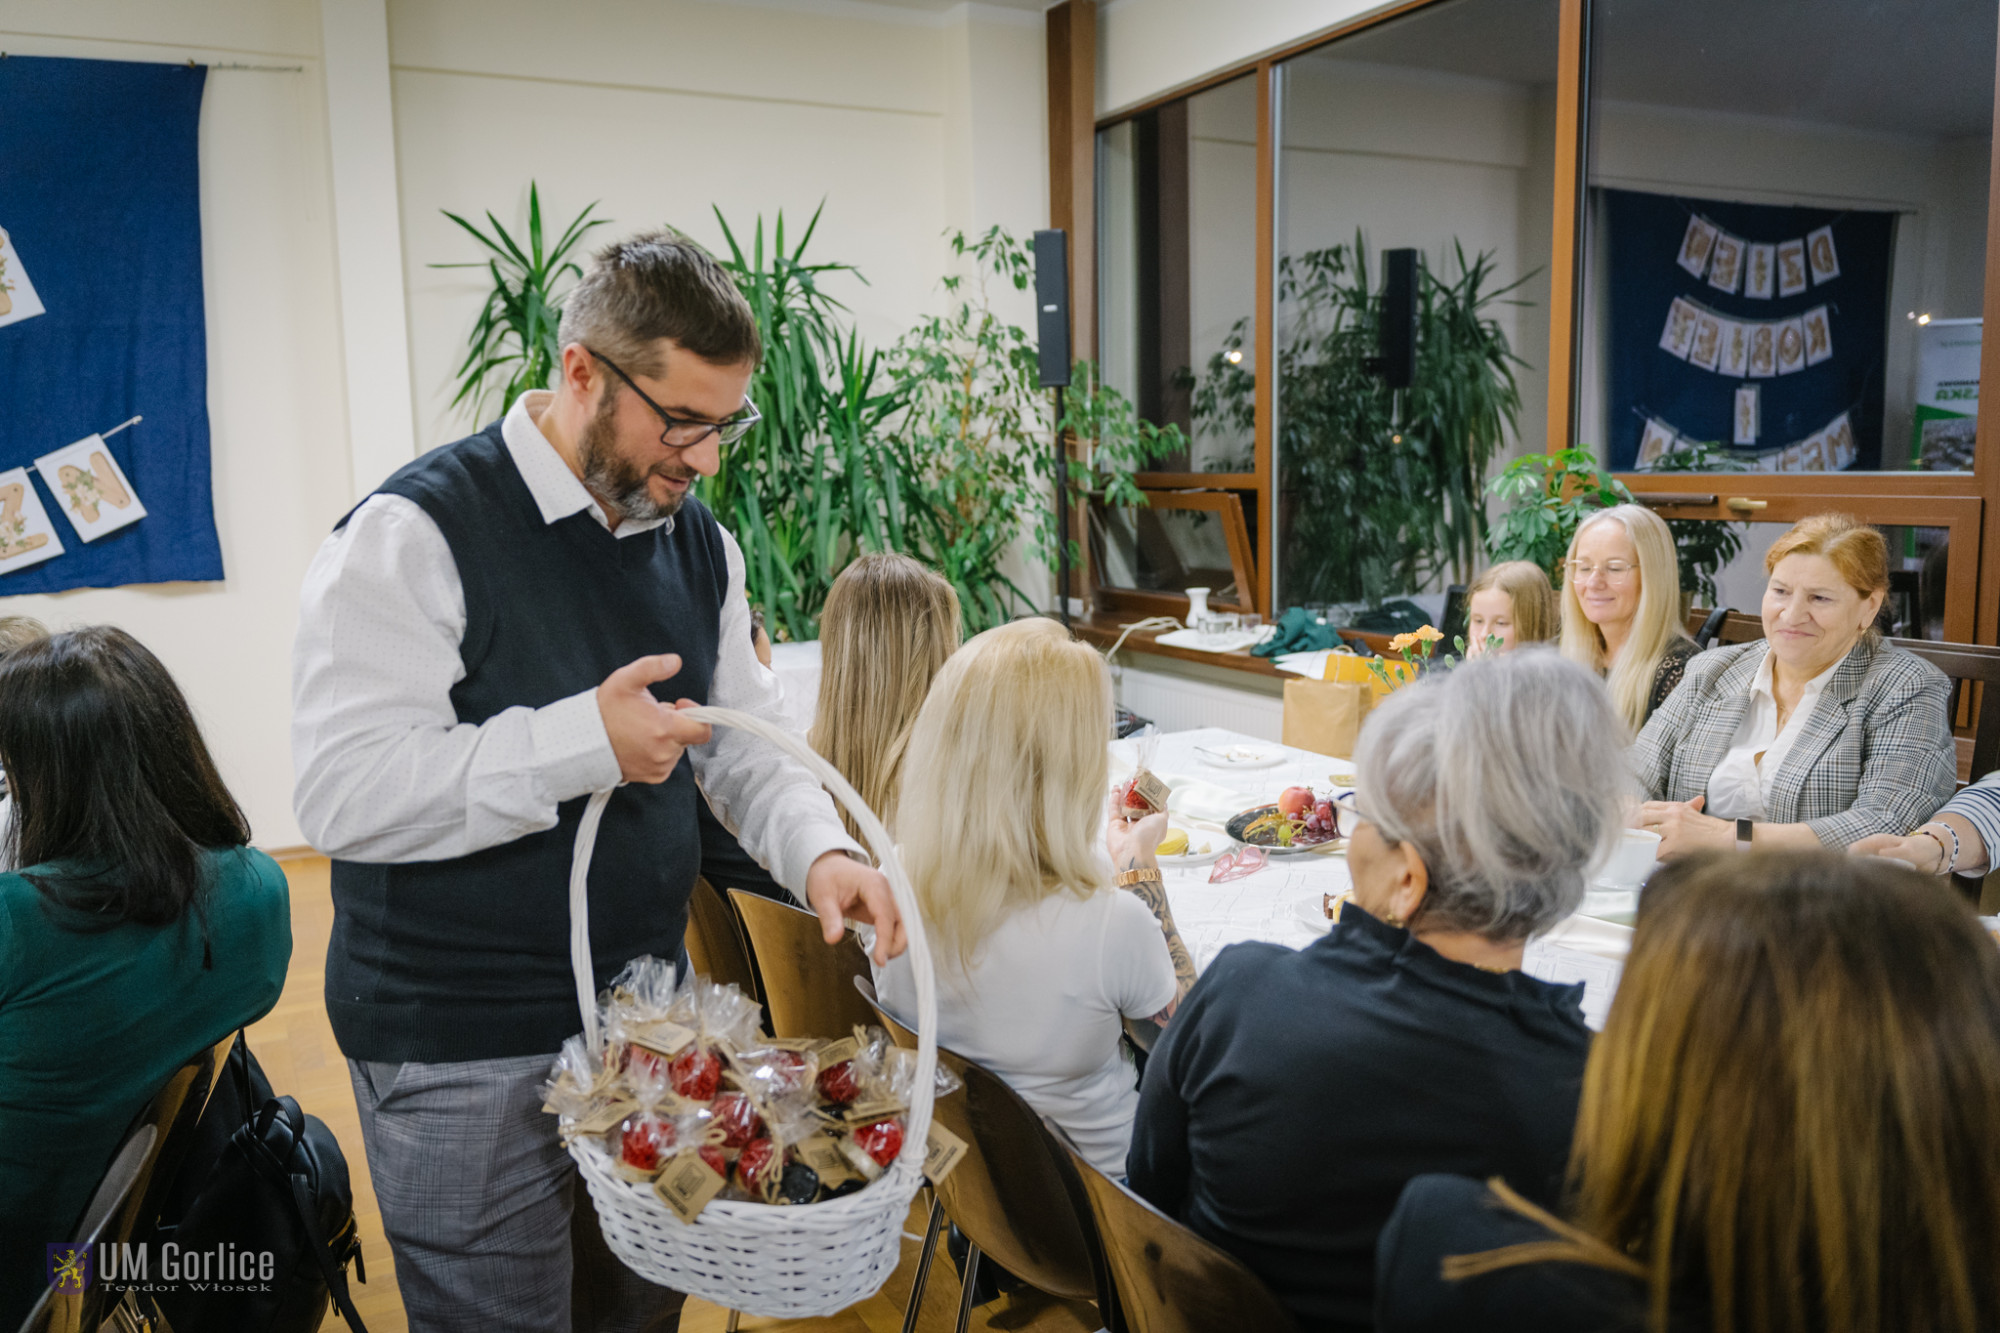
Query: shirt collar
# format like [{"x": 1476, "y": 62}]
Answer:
[
  {"x": 557, "y": 492},
  {"x": 1814, "y": 687}
]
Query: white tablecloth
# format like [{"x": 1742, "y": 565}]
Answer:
[{"x": 1269, "y": 905}]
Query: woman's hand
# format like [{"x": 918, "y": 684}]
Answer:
[
  {"x": 1919, "y": 851},
  {"x": 1683, "y": 828},
  {"x": 1133, "y": 842}
]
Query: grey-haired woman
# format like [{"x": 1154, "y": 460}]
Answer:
[{"x": 1295, "y": 1093}]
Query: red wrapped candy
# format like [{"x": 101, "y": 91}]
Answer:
[
  {"x": 712, "y": 1154},
  {"x": 758, "y": 1158},
  {"x": 839, "y": 1084},
  {"x": 737, "y": 1119},
  {"x": 881, "y": 1140},
  {"x": 695, "y": 1074},
  {"x": 645, "y": 1140}
]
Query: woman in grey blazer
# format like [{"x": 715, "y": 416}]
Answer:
[{"x": 1818, "y": 735}]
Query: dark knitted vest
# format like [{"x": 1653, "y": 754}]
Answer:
[{"x": 468, "y": 959}]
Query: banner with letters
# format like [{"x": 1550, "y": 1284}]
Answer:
[{"x": 1759, "y": 327}]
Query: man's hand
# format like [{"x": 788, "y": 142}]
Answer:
[
  {"x": 1683, "y": 828},
  {"x": 647, "y": 736},
  {"x": 838, "y": 887}
]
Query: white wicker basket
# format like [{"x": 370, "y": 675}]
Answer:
[{"x": 796, "y": 1261}]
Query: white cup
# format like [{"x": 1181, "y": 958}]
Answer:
[{"x": 1638, "y": 851}]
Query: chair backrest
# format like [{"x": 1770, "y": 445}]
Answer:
[
  {"x": 1969, "y": 665},
  {"x": 715, "y": 941},
  {"x": 1168, "y": 1279},
  {"x": 86, "y": 1310},
  {"x": 172, "y": 1114},
  {"x": 1703, "y": 626},
  {"x": 1739, "y": 628},
  {"x": 808, "y": 988},
  {"x": 1007, "y": 1193},
  {"x": 1452, "y": 623}
]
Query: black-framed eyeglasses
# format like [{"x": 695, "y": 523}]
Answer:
[{"x": 691, "y": 432}]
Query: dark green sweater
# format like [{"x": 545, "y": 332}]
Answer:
[{"x": 91, "y": 1025}]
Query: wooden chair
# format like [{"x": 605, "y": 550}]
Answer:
[
  {"x": 1008, "y": 1195},
  {"x": 63, "y": 1313},
  {"x": 715, "y": 941},
  {"x": 1167, "y": 1279},
  {"x": 1703, "y": 626},
  {"x": 173, "y": 1114},
  {"x": 808, "y": 988}
]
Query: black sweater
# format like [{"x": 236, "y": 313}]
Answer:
[{"x": 1296, "y": 1093}]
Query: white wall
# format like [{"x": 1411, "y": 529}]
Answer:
[
  {"x": 276, "y": 415},
  {"x": 904, "y": 120},
  {"x": 1148, "y": 47}
]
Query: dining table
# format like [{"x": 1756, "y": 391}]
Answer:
[{"x": 1214, "y": 774}]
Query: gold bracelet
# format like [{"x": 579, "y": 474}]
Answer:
[{"x": 1149, "y": 875}]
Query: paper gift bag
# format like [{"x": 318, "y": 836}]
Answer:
[{"x": 1325, "y": 716}]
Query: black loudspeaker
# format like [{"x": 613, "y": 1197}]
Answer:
[
  {"x": 1052, "y": 306},
  {"x": 1397, "y": 337}
]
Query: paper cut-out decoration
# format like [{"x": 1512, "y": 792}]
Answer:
[
  {"x": 1763, "y": 351},
  {"x": 1707, "y": 341},
  {"x": 1758, "y": 271},
  {"x": 1746, "y": 414},
  {"x": 17, "y": 295},
  {"x": 1696, "y": 245},
  {"x": 27, "y": 535},
  {"x": 1820, "y": 254},
  {"x": 1819, "y": 336},
  {"x": 1793, "y": 459},
  {"x": 1791, "y": 346},
  {"x": 1791, "y": 268},
  {"x": 1840, "y": 446},
  {"x": 1655, "y": 443},
  {"x": 1735, "y": 354},
  {"x": 1678, "y": 336},
  {"x": 1725, "y": 265},
  {"x": 1813, "y": 453},
  {"x": 89, "y": 487}
]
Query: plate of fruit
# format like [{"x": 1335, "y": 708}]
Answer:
[
  {"x": 1190, "y": 847},
  {"x": 1301, "y": 820}
]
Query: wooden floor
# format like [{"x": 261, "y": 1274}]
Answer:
[{"x": 295, "y": 1045}]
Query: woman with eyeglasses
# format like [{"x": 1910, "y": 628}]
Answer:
[
  {"x": 1296, "y": 1092},
  {"x": 1621, "y": 608},
  {"x": 1818, "y": 734}
]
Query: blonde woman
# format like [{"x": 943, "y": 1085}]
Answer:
[
  {"x": 1621, "y": 608},
  {"x": 1513, "y": 603},
  {"x": 888, "y": 626},
  {"x": 1040, "y": 958}
]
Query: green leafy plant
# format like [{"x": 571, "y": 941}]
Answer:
[
  {"x": 1547, "y": 497},
  {"x": 1703, "y": 545},
  {"x": 513, "y": 345},
  {"x": 1380, "y": 492}
]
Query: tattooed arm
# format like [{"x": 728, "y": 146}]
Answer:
[{"x": 1132, "y": 845}]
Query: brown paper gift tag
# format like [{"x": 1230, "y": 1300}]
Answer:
[
  {"x": 1325, "y": 716},
  {"x": 663, "y": 1038},
  {"x": 943, "y": 1150},
  {"x": 686, "y": 1186},
  {"x": 839, "y": 1051},
  {"x": 823, "y": 1155},
  {"x": 605, "y": 1117},
  {"x": 1150, "y": 789}
]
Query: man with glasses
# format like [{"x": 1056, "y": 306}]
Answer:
[{"x": 508, "y": 624}]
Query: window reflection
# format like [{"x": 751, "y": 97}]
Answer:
[{"x": 1786, "y": 232}]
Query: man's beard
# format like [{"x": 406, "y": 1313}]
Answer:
[{"x": 613, "y": 479}]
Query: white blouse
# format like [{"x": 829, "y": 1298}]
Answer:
[{"x": 1741, "y": 783}]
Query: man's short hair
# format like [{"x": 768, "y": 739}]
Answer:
[{"x": 659, "y": 284}]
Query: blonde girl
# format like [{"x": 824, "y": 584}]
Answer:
[{"x": 1512, "y": 602}]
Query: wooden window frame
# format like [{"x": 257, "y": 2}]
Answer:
[
  {"x": 1236, "y": 535},
  {"x": 1877, "y": 497}
]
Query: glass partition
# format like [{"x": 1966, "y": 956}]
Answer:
[
  {"x": 1177, "y": 243},
  {"x": 1785, "y": 239},
  {"x": 1433, "y": 132}
]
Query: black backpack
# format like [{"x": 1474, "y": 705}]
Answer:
[{"x": 263, "y": 1175}]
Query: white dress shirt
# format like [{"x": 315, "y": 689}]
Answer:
[
  {"x": 387, "y": 773},
  {"x": 1741, "y": 783}
]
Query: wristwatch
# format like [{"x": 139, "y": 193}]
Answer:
[
  {"x": 1743, "y": 827},
  {"x": 1148, "y": 875}
]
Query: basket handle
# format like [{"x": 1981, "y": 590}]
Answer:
[{"x": 878, "y": 840}]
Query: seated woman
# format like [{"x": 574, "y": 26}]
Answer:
[
  {"x": 1958, "y": 840},
  {"x": 888, "y": 625},
  {"x": 1787, "y": 1125},
  {"x": 141, "y": 931},
  {"x": 1296, "y": 1092},
  {"x": 1513, "y": 603},
  {"x": 1621, "y": 608},
  {"x": 1817, "y": 734},
  {"x": 1039, "y": 957}
]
